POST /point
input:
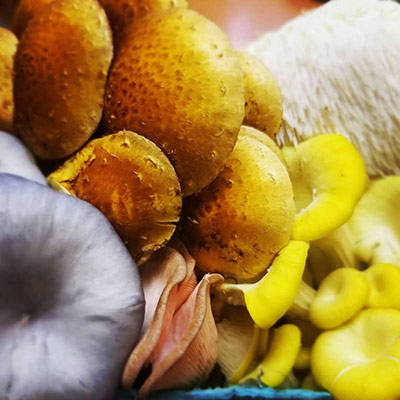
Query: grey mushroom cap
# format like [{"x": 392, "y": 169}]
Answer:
[
  {"x": 72, "y": 304},
  {"x": 16, "y": 159}
]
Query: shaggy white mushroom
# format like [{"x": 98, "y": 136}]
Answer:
[{"x": 338, "y": 69}]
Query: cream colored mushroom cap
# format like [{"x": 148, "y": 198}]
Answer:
[{"x": 338, "y": 71}]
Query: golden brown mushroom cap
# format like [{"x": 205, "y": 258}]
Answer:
[
  {"x": 264, "y": 104},
  {"x": 8, "y": 47},
  {"x": 123, "y": 13},
  {"x": 61, "y": 69},
  {"x": 236, "y": 225},
  {"x": 177, "y": 81},
  {"x": 131, "y": 181},
  {"x": 25, "y": 11}
]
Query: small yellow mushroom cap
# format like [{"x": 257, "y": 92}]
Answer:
[
  {"x": 384, "y": 281},
  {"x": 283, "y": 348},
  {"x": 264, "y": 104},
  {"x": 329, "y": 177},
  {"x": 237, "y": 224},
  {"x": 361, "y": 359},
  {"x": 375, "y": 223},
  {"x": 341, "y": 295}
]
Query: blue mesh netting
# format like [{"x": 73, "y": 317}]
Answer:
[{"x": 231, "y": 393}]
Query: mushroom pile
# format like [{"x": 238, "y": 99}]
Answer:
[{"x": 155, "y": 233}]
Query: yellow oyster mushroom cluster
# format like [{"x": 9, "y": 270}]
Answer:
[{"x": 352, "y": 295}]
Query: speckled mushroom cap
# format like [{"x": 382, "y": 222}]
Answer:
[
  {"x": 176, "y": 80},
  {"x": 60, "y": 74},
  {"x": 8, "y": 47},
  {"x": 71, "y": 305},
  {"x": 24, "y": 12},
  {"x": 122, "y": 13}
]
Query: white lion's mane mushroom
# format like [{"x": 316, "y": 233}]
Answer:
[
  {"x": 338, "y": 69},
  {"x": 71, "y": 304},
  {"x": 16, "y": 159}
]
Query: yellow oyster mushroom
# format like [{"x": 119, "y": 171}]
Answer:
[
  {"x": 341, "y": 295},
  {"x": 331, "y": 252},
  {"x": 309, "y": 383},
  {"x": 301, "y": 305},
  {"x": 262, "y": 343},
  {"x": 238, "y": 344},
  {"x": 361, "y": 359},
  {"x": 307, "y": 276},
  {"x": 303, "y": 360},
  {"x": 309, "y": 334},
  {"x": 375, "y": 223},
  {"x": 237, "y": 224},
  {"x": 280, "y": 358},
  {"x": 384, "y": 281},
  {"x": 268, "y": 299},
  {"x": 264, "y": 104},
  {"x": 329, "y": 177}
]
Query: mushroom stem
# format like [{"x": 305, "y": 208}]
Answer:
[
  {"x": 301, "y": 306},
  {"x": 268, "y": 299},
  {"x": 237, "y": 332},
  {"x": 334, "y": 251},
  {"x": 303, "y": 359},
  {"x": 282, "y": 352},
  {"x": 291, "y": 382}
]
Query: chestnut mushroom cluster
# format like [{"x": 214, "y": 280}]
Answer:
[{"x": 154, "y": 234}]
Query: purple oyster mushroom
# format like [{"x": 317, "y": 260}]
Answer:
[{"x": 71, "y": 300}]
